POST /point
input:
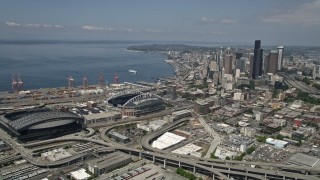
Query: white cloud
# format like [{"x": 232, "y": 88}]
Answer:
[
  {"x": 93, "y": 28},
  {"x": 307, "y": 14},
  {"x": 207, "y": 20},
  {"x": 154, "y": 30},
  {"x": 58, "y": 26},
  {"x": 13, "y": 24},
  {"x": 228, "y": 21},
  {"x": 96, "y": 28},
  {"x": 127, "y": 30},
  {"x": 217, "y": 32},
  {"x": 210, "y": 20}
]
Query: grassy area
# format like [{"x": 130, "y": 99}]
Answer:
[
  {"x": 240, "y": 157},
  {"x": 261, "y": 139},
  {"x": 186, "y": 174},
  {"x": 251, "y": 149},
  {"x": 304, "y": 96},
  {"x": 212, "y": 156}
]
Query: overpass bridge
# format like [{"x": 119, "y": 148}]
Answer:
[{"x": 219, "y": 169}]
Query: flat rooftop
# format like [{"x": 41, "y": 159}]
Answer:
[
  {"x": 100, "y": 115},
  {"x": 304, "y": 160},
  {"x": 108, "y": 160}
]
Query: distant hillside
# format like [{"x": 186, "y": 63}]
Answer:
[{"x": 166, "y": 47}]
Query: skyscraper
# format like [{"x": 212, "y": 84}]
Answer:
[
  {"x": 257, "y": 60},
  {"x": 251, "y": 64},
  {"x": 227, "y": 64},
  {"x": 238, "y": 55},
  {"x": 271, "y": 62},
  {"x": 241, "y": 64},
  {"x": 280, "y": 57}
]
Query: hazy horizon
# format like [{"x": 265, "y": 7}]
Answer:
[{"x": 274, "y": 22}]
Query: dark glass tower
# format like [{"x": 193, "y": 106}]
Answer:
[{"x": 257, "y": 60}]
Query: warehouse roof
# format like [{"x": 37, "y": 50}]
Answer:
[{"x": 166, "y": 140}]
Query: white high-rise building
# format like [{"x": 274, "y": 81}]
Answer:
[{"x": 280, "y": 57}]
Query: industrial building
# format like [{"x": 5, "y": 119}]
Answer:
[
  {"x": 40, "y": 124},
  {"x": 108, "y": 163},
  {"x": 189, "y": 149},
  {"x": 181, "y": 114},
  {"x": 223, "y": 153},
  {"x": 151, "y": 126},
  {"x": 224, "y": 128},
  {"x": 102, "y": 117},
  {"x": 80, "y": 174},
  {"x": 167, "y": 140},
  {"x": 55, "y": 155},
  {"x": 119, "y": 137},
  {"x": 238, "y": 143}
]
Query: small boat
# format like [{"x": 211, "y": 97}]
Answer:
[{"x": 132, "y": 71}]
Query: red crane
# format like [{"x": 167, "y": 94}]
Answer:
[
  {"x": 116, "y": 78},
  {"x": 101, "y": 80}
]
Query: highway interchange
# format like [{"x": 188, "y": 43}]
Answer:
[{"x": 218, "y": 169}]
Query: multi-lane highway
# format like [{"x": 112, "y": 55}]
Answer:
[
  {"x": 290, "y": 80},
  {"x": 217, "y": 168},
  {"x": 216, "y": 137}
]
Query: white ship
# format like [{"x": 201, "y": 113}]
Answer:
[{"x": 132, "y": 71}]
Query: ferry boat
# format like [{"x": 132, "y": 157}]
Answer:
[{"x": 132, "y": 71}]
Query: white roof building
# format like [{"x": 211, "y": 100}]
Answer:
[
  {"x": 277, "y": 143},
  {"x": 168, "y": 139},
  {"x": 80, "y": 174},
  {"x": 187, "y": 149},
  {"x": 55, "y": 155}
]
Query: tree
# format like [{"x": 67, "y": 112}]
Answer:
[
  {"x": 299, "y": 143},
  {"x": 279, "y": 136},
  {"x": 250, "y": 150},
  {"x": 306, "y": 80},
  {"x": 240, "y": 157},
  {"x": 285, "y": 87},
  {"x": 316, "y": 86},
  {"x": 227, "y": 158},
  {"x": 261, "y": 139}
]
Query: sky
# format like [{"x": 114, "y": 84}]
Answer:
[{"x": 274, "y": 22}]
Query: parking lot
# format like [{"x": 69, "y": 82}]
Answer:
[
  {"x": 267, "y": 153},
  {"x": 25, "y": 172},
  {"x": 149, "y": 172}
]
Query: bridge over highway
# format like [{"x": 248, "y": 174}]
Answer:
[{"x": 220, "y": 169}]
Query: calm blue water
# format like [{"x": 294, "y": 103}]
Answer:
[{"x": 48, "y": 64}]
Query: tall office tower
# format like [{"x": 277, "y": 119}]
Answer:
[
  {"x": 241, "y": 64},
  {"x": 220, "y": 59},
  {"x": 271, "y": 62},
  {"x": 280, "y": 57},
  {"x": 265, "y": 63},
  {"x": 251, "y": 64},
  {"x": 227, "y": 64},
  {"x": 238, "y": 55},
  {"x": 257, "y": 60}
]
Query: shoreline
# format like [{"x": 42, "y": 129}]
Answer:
[{"x": 43, "y": 84}]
